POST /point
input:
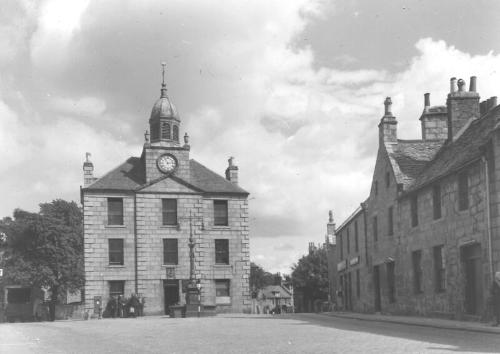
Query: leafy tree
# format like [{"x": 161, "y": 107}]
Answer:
[
  {"x": 310, "y": 275},
  {"x": 259, "y": 278},
  {"x": 45, "y": 249}
]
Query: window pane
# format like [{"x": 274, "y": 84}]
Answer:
[
  {"x": 176, "y": 133},
  {"x": 165, "y": 131},
  {"x": 417, "y": 271},
  {"x": 170, "y": 251},
  {"x": 169, "y": 211},
  {"x": 116, "y": 287},
  {"x": 222, "y": 251},
  {"x": 463, "y": 191},
  {"x": 115, "y": 211},
  {"x": 439, "y": 269},
  {"x": 220, "y": 212},
  {"x": 436, "y": 201},
  {"x": 375, "y": 228},
  {"x": 414, "y": 210},
  {"x": 222, "y": 287},
  {"x": 390, "y": 221},
  {"x": 115, "y": 251},
  {"x": 155, "y": 131}
]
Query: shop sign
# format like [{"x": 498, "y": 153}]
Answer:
[
  {"x": 342, "y": 265},
  {"x": 354, "y": 261}
]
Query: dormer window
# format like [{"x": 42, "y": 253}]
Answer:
[
  {"x": 176, "y": 133},
  {"x": 165, "y": 131}
]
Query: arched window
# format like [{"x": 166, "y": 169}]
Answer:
[
  {"x": 176, "y": 133},
  {"x": 155, "y": 131},
  {"x": 165, "y": 131}
]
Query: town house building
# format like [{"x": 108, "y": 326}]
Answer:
[
  {"x": 430, "y": 225},
  {"x": 139, "y": 217}
]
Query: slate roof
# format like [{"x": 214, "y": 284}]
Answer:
[
  {"x": 457, "y": 153},
  {"x": 130, "y": 176},
  {"x": 269, "y": 291},
  {"x": 409, "y": 157}
]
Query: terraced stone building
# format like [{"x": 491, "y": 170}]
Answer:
[
  {"x": 138, "y": 219},
  {"x": 426, "y": 241}
]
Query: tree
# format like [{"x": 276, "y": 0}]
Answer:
[
  {"x": 259, "y": 278},
  {"x": 45, "y": 249},
  {"x": 310, "y": 275}
]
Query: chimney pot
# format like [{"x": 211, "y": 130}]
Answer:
[
  {"x": 472, "y": 86},
  {"x": 453, "y": 84},
  {"x": 388, "y": 104},
  {"x": 427, "y": 100},
  {"x": 461, "y": 85}
]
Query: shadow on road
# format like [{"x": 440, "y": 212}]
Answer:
[{"x": 457, "y": 340}]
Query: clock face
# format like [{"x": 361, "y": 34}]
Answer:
[{"x": 167, "y": 163}]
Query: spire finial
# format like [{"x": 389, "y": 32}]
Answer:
[{"x": 163, "y": 86}]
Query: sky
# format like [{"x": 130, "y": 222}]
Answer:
[{"x": 293, "y": 89}]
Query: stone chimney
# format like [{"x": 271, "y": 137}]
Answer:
[
  {"x": 330, "y": 229},
  {"x": 232, "y": 171},
  {"x": 88, "y": 171},
  {"x": 461, "y": 106},
  {"x": 387, "y": 128},
  {"x": 487, "y": 105},
  {"x": 434, "y": 121}
]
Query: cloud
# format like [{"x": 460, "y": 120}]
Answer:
[{"x": 304, "y": 136}]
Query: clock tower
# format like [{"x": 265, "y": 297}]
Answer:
[{"x": 163, "y": 153}]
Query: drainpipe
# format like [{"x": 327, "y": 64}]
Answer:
[
  {"x": 135, "y": 246},
  {"x": 488, "y": 217}
]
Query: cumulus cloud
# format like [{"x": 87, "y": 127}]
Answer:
[{"x": 304, "y": 136}]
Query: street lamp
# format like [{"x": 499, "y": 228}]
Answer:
[{"x": 277, "y": 296}]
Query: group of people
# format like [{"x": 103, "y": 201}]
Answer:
[{"x": 120, "y": 307}]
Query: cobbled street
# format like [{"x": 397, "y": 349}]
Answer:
[{"x": 299, "y": 333}]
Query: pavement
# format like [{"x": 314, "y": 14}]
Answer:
[{"x": 419, "y": 321}]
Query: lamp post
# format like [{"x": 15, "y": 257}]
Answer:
[
  {"x": 193, "y": 291},
  {"x": 277, "y": 296}
]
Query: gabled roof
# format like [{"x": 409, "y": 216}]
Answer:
[
  {"x": 409, "y": 157},
  {"x": 270, "y": 290},
  {"x": 457, "y": 153},
  {"x": 130, "y": 176}
]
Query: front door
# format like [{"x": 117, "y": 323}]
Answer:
[
  {"x": 171, "y": 294},
  {"x": 376, "y": 286},
  {"x": 473, "y": 290}
]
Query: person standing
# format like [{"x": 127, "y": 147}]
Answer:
[
  {"x": 120, "y": 306},
  {"x": 495, "y": 298}
]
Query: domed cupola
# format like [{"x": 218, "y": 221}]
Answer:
[{"x": 164, "y": 121}]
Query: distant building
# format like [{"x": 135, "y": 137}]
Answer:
[
  {"x": 139, "y": 216},
  {"x": 427, "y": 239},
  {"x": 275, "y": 296}
]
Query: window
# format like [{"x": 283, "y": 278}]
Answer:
[
  {"x": 116, "y": 288},
  {"x": 414, "y": 210},
  {"x": 115, "y": 211},
  {"x": 169, "y": 211},
  {"x": 220, "y": 212},
  {"x": 170, "y": 251},
  {"x": 387, "y": 179},
  {"x": 176, "y": 133},
  {"x": 222, "y": 251},
  {"x": 348, "y": 237},
  {"x": 439, "y": 269},
  {"x": 390, "y": 221},
  {"x": 463, "y": 191},
  {"x": 391, "y": 281},
  {"x": 436, "y": 201},
  {"x": 356, "y": 236},
  {"x": 358, "y": 284},
  {"x": 115, "y": 251},
  {"x": 18, "y": 295},
  {"x": 155, "y": 131},
  {"x": 222, "y": 295},
  {"x": 416, "y": 258},
  {"x": 165, "y": 131},
  {"x": 341, "y": 248},
  {"x": 375, "y": 229}
]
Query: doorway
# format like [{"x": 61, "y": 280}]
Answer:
[
  {"x": 171, "y": 294},
  {"x": 473, "y": 275},
  {"x": 376, "y": 287}
]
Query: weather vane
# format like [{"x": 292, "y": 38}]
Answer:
[{"x": 163, "y": 64}]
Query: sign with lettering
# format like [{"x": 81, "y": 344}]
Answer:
[
  {"x": 342, "y": 265},
  {"x": 354, "y": 261}
]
